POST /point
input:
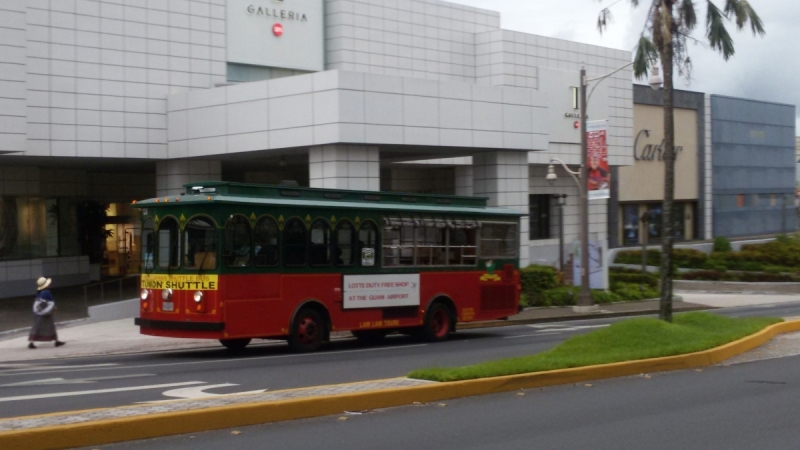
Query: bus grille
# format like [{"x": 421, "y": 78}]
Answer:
[{"x": 497, "y": 297}]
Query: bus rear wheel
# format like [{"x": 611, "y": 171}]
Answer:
[
  {"x": 235, "y": 345},
  {"x": 370, "y": 336},
  {"x": 307, "y": 331},
  {"x": 438, "y": 325}
]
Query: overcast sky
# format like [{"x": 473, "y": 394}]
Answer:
[{"x": 765, "y": 68}]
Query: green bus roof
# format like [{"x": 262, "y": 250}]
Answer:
[{"x": 243, "y": 193}]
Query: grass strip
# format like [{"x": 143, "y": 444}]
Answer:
[{"x": 627, "y": 340}]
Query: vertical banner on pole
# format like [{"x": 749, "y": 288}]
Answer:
[{"x": 597, "y": 160}]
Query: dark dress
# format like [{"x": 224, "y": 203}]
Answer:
[{"x": 44, "y": 326}]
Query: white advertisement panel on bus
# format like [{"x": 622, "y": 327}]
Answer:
[{"x": 378, "y": 291}]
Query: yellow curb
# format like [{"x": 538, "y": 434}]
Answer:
[{"x": 182, "y": 422}]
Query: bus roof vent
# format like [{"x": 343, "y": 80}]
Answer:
[{"x": 289, "y": 183}]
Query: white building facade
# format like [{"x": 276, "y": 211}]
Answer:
[{"x": 106, "y": 101}]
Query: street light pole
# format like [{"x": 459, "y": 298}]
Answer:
[{"x": 584, "y": 302}]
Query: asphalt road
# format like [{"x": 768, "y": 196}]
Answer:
[
  {"x": 744, "y": 406},
  {"x": 83, "y": 383}
]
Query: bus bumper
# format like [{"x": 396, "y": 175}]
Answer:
[{"x": 183, "y": 326}]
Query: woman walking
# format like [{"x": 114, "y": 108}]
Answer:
[{"x": 44, "y": 325}]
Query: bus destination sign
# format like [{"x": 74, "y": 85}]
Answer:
[
  {"x": 181, "y": 282},
  {"x": 378, "y": 291}
]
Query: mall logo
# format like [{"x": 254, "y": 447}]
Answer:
[
  {"x": 651, "y": 152},
  {"x": 276, "y": 13}
]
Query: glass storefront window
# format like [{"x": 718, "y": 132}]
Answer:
[
  {"x": 679, "y": 221},
  {"x": 654, "y": 227},
  {"x": 630, "y": 217}
]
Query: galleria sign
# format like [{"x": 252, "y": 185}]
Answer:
[
  {"x": 276, "y": 13},
  {"x": 650, "y": 152}
]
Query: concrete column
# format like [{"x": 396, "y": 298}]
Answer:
[
  {"x": 503, "y": 177},
  {"x": 355, "y": 167},
  {"x": 173, "y": 174},
  {"x": 708, "y": 206},
  {"x": 463, "y": 178}
]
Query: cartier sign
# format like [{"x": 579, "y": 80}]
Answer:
[{"x": 643, "y": 151}]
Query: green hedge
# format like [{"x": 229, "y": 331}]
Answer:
[
  {"x": 681, "y": 257},
  {"x": 567, "y": 295},
  {"x": 537, "y": 279},
  {"x": 750, "y": 277}
]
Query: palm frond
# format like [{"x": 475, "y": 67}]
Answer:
[
  {"x": 602, "y": 19},
  {"x": 687, "y": 14},
  {"x": 755, "y": 22},
  {"x": 717, "y": 34},
  {"x": 646, "y": 53}
]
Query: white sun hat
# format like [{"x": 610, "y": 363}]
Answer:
[{"x": 43, "y": 282}]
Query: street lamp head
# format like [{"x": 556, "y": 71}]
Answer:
[
  {"x": 551, "y": 174},
  {"x": 655, "y": 79}
]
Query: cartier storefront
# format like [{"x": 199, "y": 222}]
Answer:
[{"x": 639, "y": 189}]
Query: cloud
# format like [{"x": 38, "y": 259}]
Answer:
[{"x": 765, "y": 68}]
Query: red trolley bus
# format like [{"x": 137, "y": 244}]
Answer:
[{"x": 234, "y": 262}]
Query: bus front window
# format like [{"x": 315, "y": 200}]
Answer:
[
  {"x": 168, "y": 242},
  {"x": 200, "y": 244}
]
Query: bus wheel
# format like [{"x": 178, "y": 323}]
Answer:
[
  {"x": 235, "y": 345},
  {"x": 438, "y": 323},
  {"x": 307, "y": 332},
  {"x": 370, "y": 336}
]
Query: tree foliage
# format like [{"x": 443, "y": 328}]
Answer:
[
  {"x": 664, "y": 38},
  {"x": 675, "y": 20}
]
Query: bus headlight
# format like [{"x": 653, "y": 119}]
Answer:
[
  {"x": 145, "y": 293},
  {"x": 198, "y": 297},
  {"x": 166, "y": 294}
]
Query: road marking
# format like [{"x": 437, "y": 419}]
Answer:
[
  {"x": 198, "y": 392},
  {"x": 97, "y": 391},
  {"x": 298, "y": 355},
  {"x": 43, "y": 367},
  {"x": 58, "y": 381}
]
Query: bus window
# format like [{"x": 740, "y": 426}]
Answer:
[
  {"x": 168, "y": 244},
  {"x": 266, "y": 242},
  {"x": 343, "y": 252},
  {"x": 431, "y": 243},
  {"x": 200, "y": 243},
  {"x": 320, "y": 243},
  {"x": 148, "y": 244},
  {"x": 499, "y": 240},
  {"x": 237, "y": 242},
  {"x": 294, "y": 243},
  {"x": 367, "y": 249},
  {"x": 461, "y": 247}
]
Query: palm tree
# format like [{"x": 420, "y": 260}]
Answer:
[{"x": 666, "y": 32}]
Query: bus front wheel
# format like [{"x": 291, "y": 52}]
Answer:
[
  {"x": 307, "y": 332},
  {"x": 235, "y": 345},
  {"x": 439, "y": 323}
]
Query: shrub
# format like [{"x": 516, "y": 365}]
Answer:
[
  {"x": 603, "y": 297},
  {"x": 634, "y": 278},
  {"x": 560, "y": 296},
  {"x": 537, "y": 279},
  {"x": 631, "y": 291},
  {"x": 635, "y": 257},
  {"x": 722, "y": 244},
  {"x": 708, "y": 275}
]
